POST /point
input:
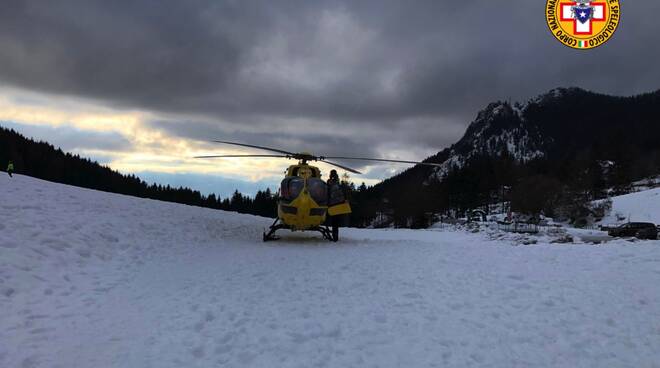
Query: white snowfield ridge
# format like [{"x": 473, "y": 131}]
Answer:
[
  {"x": 641, "y": 206},
  {"x": 92, "y": 279}
]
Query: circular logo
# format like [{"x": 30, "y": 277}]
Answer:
[{"x": 583, "y": 24}]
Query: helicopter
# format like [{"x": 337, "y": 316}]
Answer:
[{"x": 305, "y": 201}]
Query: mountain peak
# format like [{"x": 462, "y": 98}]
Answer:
[
  {"x": 556, "y": 94},
  {"x": 497, "y": 130},
  {"x": 493, "y": 111}
]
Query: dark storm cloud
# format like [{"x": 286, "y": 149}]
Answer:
[
  {"x": 72, "y": 139},
  {"x": 149, "y": 52},
  {"x": 389, "y": 71}
]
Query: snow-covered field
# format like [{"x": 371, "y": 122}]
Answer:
[
  {"x": 91, "y": 279},
  {"x": 641, "y": 206}
]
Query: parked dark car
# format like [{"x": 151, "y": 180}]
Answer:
[{"x": 640, "y": 230}]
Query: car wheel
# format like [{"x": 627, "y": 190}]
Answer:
[{"x": 641, "y": 235}]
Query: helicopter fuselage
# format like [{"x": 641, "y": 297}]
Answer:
[{"x": 303, "y": 203}]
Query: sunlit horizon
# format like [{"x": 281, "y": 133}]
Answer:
[{"x": 122, "y": 140}]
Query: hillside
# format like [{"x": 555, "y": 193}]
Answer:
[
  {"x": 642, "y": 206},
  {"x": 567, "y": 143},
  {"x": 94, "y": 279},
  {"x": 562, "y": 123},
  {"x": 42, "y": 160}
]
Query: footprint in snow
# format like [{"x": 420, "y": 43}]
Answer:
[
  {"x": 8, "y": 244},
  {"x": 30, "y": 362},
  {"x": 7, "y": 291},
  {"x": 207, "y": 318},
  {"x": 198, "y": 352},
  {"x": 516, "y": 277}
]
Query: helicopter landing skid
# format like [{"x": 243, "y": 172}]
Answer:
[
  {"x": 270, "y": 235},
  {"x": 326, "y": 232}
]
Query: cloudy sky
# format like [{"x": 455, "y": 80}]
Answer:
[{"x": 143, "y": 85}]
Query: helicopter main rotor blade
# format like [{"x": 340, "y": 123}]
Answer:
[
  {"x": 384, "y": 160},
  {"x": 340, "y": 166},
  {"x": 238, "y": 156},
  {"x": 253, "y": 146}
]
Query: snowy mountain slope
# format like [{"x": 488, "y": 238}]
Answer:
[
  {"x": 641, "y": 206},
  {"x": 554, "y": 126},
  {"x": 498, "y": 129},
  {"x": 91, "y": 279}
]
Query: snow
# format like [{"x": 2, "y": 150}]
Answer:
[
  {"x": 92, "y": 279},
  {"x": 641, "y": 206},
  {"x": 516, "y": 141},
  {"x": 646, "y": 184}
]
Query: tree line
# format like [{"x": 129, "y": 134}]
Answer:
[
  {"x": 42, "y": 160},
  {"x": 558, "y": 189}
]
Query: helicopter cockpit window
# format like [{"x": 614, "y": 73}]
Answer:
[
  {"x": 291, "y": 187},
  {"x": 318, "y": 190}
]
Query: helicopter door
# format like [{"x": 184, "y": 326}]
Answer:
[{"x": 337, "y": 203}]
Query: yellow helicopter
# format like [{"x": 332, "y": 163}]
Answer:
[{"x": 305, "y": 201}]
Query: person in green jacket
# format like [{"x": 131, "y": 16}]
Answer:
[{"x": 10, "y": 169}]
